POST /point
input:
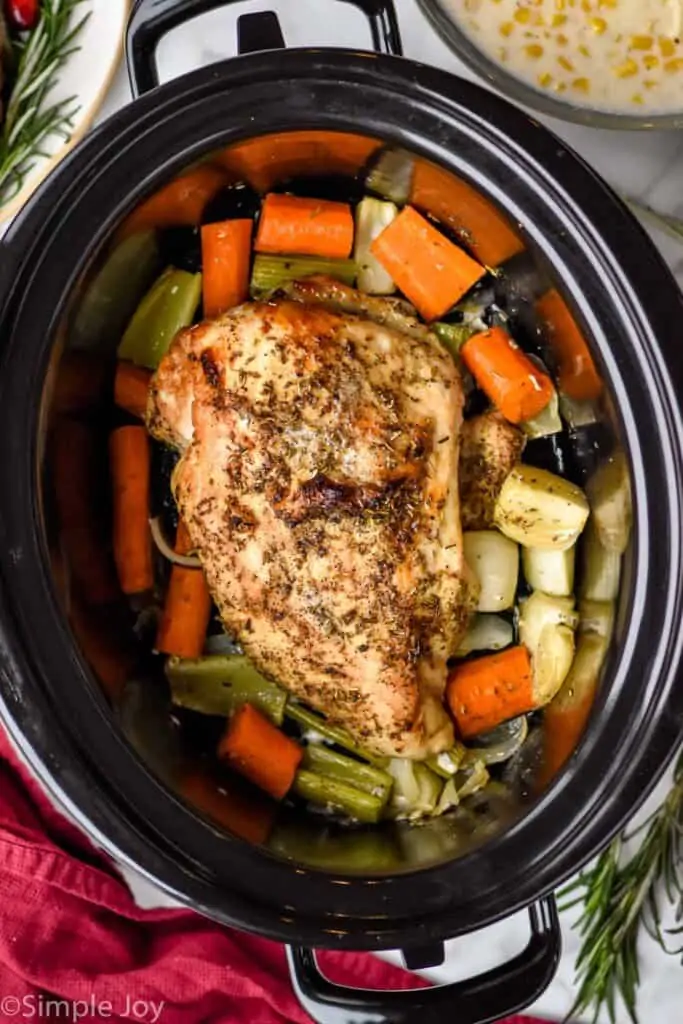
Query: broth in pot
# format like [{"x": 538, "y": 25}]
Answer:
[{"x": 471, "y": 431}]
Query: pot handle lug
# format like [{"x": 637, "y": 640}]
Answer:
[
  {"x": 487, "y": 997},
  {"x": 151, "y": 20}
]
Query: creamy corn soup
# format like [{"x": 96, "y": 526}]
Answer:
[{"x": 621, "y": 55}]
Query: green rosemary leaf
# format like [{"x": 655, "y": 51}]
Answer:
[
  {"x": 621, "y": 900},
  {"x": 30, "y": 118}
]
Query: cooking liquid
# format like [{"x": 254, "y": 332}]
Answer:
[{"x": 619, "y": 55}]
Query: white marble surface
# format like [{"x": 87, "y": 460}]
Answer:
[{"x": 646, "y": 166}]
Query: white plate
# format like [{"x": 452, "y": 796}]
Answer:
[{"x": 86, "y": 76}]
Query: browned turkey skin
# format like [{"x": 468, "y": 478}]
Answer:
[{"x": 319, "y": 483}]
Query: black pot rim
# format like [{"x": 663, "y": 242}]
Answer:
[{"x": 581, "y": 226}]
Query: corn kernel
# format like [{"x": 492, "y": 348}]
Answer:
[
  {"x": 545, "y": 80},
  {"x": 581, "y": 85},
  {"x": 636, "y": 98},
  {"x": 586, "y": 6},
  {"x": 560, "y": 87},
  {"x": 650, "y": 61},
  {"x": 558, "y": 20},
  {"x": 562, "y": 39},
  {"x": 599, "y": 25},
  {"x": 607, "y": 3},
  {"x": 673, "y": 65},
  {"x": 627, "y": 69},
  {"x": 642, "y": 42},
  {"x": 522, "y": 15},
  {"x": 667, "y": 46},
  {"x": 534, "y": 50},
  {"x": 539, "y": 21},
  {"x": 649, "y": 83},
  {"x": 559, "y": 5},
  {"x": 566, "y": 64},
  {"x": 584, "y": 51},
  {"x": 506, "y": 29}
]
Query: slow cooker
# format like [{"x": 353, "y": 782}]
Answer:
[{"x": 114, "y": 766}]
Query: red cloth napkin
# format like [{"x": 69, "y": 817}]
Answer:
[{"x": 74, "y": 946}]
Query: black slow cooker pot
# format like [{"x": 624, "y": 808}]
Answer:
[{"x": 322, "y": 888}]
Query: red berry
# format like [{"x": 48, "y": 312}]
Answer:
[{"x": 22, "y": 14}]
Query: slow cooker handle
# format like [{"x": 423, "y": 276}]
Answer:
[
  {"x": 151, "y": 20},
  {"x": 487, "y": 997}
]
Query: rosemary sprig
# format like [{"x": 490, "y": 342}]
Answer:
[
  {"x": 30, "y": 117},
  {"x": 621, "y": 899}
]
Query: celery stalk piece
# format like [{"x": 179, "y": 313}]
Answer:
[
  {"x": 169, "y": 305},
  {"x": 114, "y": 292},
  {"x": 324, "y": 761},
  {"x": 338, "y": 796},
  {"x": 218, "y": 684},
  {"x": 272, "y": 272}
]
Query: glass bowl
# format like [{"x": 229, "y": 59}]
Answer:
[{"x": 515, "y": 89}]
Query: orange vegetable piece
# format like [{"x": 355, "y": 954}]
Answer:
[
  {"x": 562, "y": 729},
  {"x": 487, "y": 691},
  {"x": 428, "y": 268},
  {"x": 129, "y": 462},
  {"x": 578, "y": 377},
  {"x": 103, "y": 635},
  {"x": 131, "y": 388},
  {"x": 179, "y": 203},
  {"x": 238, "y": 812},
  {"x": 75, "y": 463},
  {"x": 473, "y": 217},
  {"x": 226, "y": 259},
  {"x": 509, "y": 378},
  {"x": 266, "y": 160},
  {"x": 305, "y": 227},
  {"x": 187, "y": 608},
  {"x": 259, "y": 751},
  {"x": 565, "y": 719},
  {"x": 80, "y": 382}
]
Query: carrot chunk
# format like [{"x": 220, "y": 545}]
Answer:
[
  {"x": 131, "y": 387},
  {"x": 181, "y": 202},
  {"x": 428, "y": 268},
  {"x": 80, "y": 382},
  {"x": 509, "y": 378},
  {"x": 268, "y": 159},
  {"x": 305, "y": 227},
  {"x": 469, "y": 213},
  {"x": 103, "y": 636},
  {"x": 130, "y": 463},
  {"x": 76, "y": 466},
  {"x": 225, "y": 804},
  {"x": 483, "y": 693},
  {"x": 259, "y": 751},
  {"x": 562, "y": 730},
  {"x": 565, "y": 718},
  {"x": 578, "y": 377},
  {"x": 187, "y": 609},
  {"x": 226, "y": 256}
]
